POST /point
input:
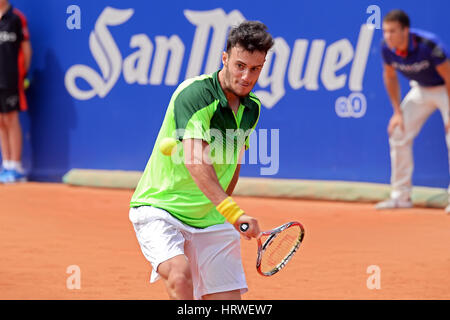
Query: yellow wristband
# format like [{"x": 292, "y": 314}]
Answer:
[{"x": 230, "y": 210}]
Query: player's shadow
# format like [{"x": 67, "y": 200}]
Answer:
[{"x": 52, "y": 116}]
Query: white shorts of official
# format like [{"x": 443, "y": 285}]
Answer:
[{"x": 214, "y": 253}]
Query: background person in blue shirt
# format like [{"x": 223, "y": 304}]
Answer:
[{"x": 422, "y": 58}]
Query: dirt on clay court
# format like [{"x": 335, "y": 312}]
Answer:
[{"x": 45, "y": 228}]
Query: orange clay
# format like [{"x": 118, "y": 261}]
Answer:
[{"x": 45, "y": 228}]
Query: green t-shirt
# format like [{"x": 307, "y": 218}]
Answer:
[{"x": 198, "y": 109}]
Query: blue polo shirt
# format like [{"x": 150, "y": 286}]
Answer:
[{"x": 425, "y": 52}]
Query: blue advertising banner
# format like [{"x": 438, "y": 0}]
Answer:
[{"x": 103, "y": 73}]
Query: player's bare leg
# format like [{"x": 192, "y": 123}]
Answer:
[
  {"x": 447, "y": 139},
  {"x": 4, "y": 140},
  {"x": 227, "y": 295},
  {"x": 176, "y": 273},
  {"x": 14, "y": 135}
]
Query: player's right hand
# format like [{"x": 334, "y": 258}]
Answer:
[
  {"x": 396, "y": 120},
  {"x": 253, "y": 230}
]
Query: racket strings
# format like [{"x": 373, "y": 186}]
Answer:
[{"x": 280, "y": 248}]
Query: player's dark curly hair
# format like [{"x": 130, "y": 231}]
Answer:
[
  {"x": 251, "y": 36},
  {"x": 398, "y": 15}
]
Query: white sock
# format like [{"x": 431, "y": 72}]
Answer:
[
  {"x": 16, "y": 165},
  {"x": 7, "y": 164}
]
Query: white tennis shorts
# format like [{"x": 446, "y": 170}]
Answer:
[{"x": 214, "y": 253}]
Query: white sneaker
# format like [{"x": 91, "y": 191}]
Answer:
[
  {"x": 394, "y": 204},
  {"x": 447, "y": 210}
]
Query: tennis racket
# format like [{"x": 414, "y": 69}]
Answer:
[{"x": 278, "y": 248}]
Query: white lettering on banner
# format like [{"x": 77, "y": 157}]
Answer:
[
  {"x": 361, "y": 56},
  {"x": 163, "y": 45},
  {"x": 205, "y": 20},
  {"x": 140, "y": 59},
  {"x": 354, "y": 106},
  {"x": 337, "y": 56},
  {"x": 276, "y": 79},
  {"x": 310, "y": 80},
  {"x": 106, "y": 54},
  {"x": 214, "y": 25}
]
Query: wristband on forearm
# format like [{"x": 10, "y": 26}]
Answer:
[{"x": 230, "y": 210}]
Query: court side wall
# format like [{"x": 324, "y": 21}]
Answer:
[{"x": 103, "y": 72}]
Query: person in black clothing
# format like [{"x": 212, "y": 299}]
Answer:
[{"x": 15, "y": 58}]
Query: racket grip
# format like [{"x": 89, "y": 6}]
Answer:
[{"x": 244, "y": 227}]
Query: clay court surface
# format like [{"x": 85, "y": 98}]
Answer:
[{"x": 45, "y": 228}]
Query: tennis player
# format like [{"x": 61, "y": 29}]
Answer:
[
  {"x": 184, "y": 217},
  {"x": 422, "y": 58}
]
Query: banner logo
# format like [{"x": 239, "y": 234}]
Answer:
[{"x": 301, "y": 69}]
